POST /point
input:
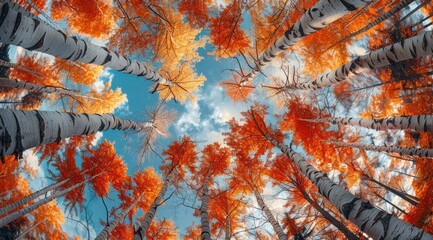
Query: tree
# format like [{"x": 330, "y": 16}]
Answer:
[
  {"x": 55, "y": 126},
  {"x": 180, "y": 156},
  {"x": 369, "y": 219}
]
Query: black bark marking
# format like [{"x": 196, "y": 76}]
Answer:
[
  {"x": 72, "y": 54},
  {"x": 37, "y": 22},
  {"x": 418, "y": 236},
  {"x": 5, "y": 139},
  {"x": 348, "y": 6},
  {"x": 19, "y": 147},
  {"x": 63, "y": 34},
  {"x": 385, "y": 223},
  {"x": 41, "y": 126},
  {"x": 348, "y": 207},
  {"x": 107, "y": 59},
  {"x": 59, "y": 133},
  {"x": 93, "y": 60},
  {"x": 4, "y": 13},
  {"x": 38, "y": 44},
  {"x": 16, "y": 25}
]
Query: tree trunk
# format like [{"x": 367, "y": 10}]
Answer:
[
  {"x": 21, "y": 129},
  {"x": 31, "y": 197},
  {"x": 375, "y": 223},
  {"x": 420, "y": 152},
  {"x": 150, "y": 214},
  {"x": 119, "y": 218},
  {"x": 389, "y": 202},
  {"x": 4, "y": 63},
  {"x": 410, "y": 48},
  {"x": 360, "y": 12},
  {"x": 340, "y": 226},
  {"x": 317, "y": 17},
  {"x": 14, "y": 84},
  {"x": 32, "y": 34},
  {"x": 22, "y": 235},
  {"x": 11, "y": 217},
  {"x": 228, "y": 234},
  {"x": 408, "y": 198},
  {"x": 381, "y": 18},
  {"x": 417, "y": 123},
  {"x": 204, "y": 215},
  {"x": 275, "y": 225}
]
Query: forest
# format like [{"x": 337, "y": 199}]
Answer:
[{"x": 216, "y": 119}]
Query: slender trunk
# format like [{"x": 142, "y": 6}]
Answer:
[
  {"x": 31, "y": 197},
  {"x": 34, "y": 35},
  {"x": 417, "y": 123},
  {"x": 389, "y": 202},
  {"x": 340, "y": 226},
  {"x": 317, "y": 17},
  {"x": 408, "y": 198},
  {"x": 13, "y": 83},
  {"x": 11, "y": 217},
  {"x": 150, "y": 214},
  {"x": 410, "y": 48},
  {"x": 423, "y": 3},
  {"x": 275, "y": 225},
  {"x": 381, "y": 18},
  {"x": 118, "y": 219},
  {"x": 420, "y": 152},
  {"x": 360, "y": 12},
  {"x": 228, "y": 234},
  {"x": 4, "y": 63},
  {"x": 204, "y": 215},
  {"x": 24, "y": 129},
  {"x": 22, "y": 235},
  {"x": 375, "y": 223}
]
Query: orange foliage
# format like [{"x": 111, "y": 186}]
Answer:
[
  {"x": 122, "y": 231},
  {"x": 193, "y": 232},
  {"x": 180, "y": 157},
  {"x": 235, "y": 91},
  {"x": 226, "y": 33},
  {"x": 109, "y": 168},
  {"x": 162, "y": 230},
  {"x": 196, "y": 12},
  {"x": 77, "y": 72},
  {"x": 92, "y": 18}
]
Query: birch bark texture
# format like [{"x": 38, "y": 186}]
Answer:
[
  {"x": 118, "y": 219},
  {"x": 31, "y": 197},
  {"x": 422, "y": 123},
  {"x": 15, "y": 84},
  {"x": 402, "y": 151},
  {"x": 204, "y": 215},
  {"x": 21, "y": 129},
  {"x": 317, "y": 17},
  {"x": 150, "y": 214},
  {"x": 275, "y": 225},
  {"x": 375, "y": 223},
  {"x": 34, "y": 35},
  {"x": 410, "y": 48}
]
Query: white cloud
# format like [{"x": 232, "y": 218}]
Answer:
[
  {"x": 190, "y": 120},
  {"x": 98, "y": 136}
]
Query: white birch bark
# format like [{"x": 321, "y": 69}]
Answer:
[
  {"x": 24, "y": 129},
  {"x": 11, "y": 217},
  {"x": 275, "y": 225},
  {"x": 317, "y": 17},
  {"x": 31, "y": 197},
  {"x": 20, "y": 30},
  {"x": 410, "y": 48},
  {"x": 408, "y": 151},
  {"x": 417, "y": 123},
  {"x": 375, "y": 223},
  {"x": 204, "y": 215},
  {"x": 328, "y": 216},
  {"x": 118, "y": 219},
  {"x": 150, "y": 214},
  {"x": 22, "y": 235},
  {"x": 13, "y": 83},
  {"x": 227, "y": 233},
  {"x": 381, "y": 18}
]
